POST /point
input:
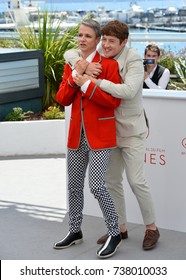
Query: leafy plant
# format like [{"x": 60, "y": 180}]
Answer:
[
  {"x": 167, "y": 61},
  {"x": 6, "y": 43},
  {"x": 50, "y": 38},
  {"x": 53, "y": 113},
  {"x": 17, "y": 114},
  {"x": 177, "y": 66},
  {"x": 180, "y": 67}
]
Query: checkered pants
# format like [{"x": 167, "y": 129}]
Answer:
[{"x": 77, "y": 162}]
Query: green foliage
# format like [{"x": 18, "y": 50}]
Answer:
[
  {"x": 180, "y": 67},
  {"x": 177, "y": 66},
  {"x": 174, "y": 85},
  {"x": 53, "y": 113},
  {"x": 6, "y": 43},
  {"x": 17, "y": 114},
  {"x": 167, "y": 61},
  {"x": 54, "y": 42}
]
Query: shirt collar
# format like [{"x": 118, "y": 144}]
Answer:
[{"x": 91, "y": 56}]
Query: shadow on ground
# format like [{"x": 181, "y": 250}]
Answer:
[{"x": 29, "y": 231}]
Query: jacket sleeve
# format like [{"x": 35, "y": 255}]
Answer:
[
  {"x": 71, "y": 57},
  {"x": 67, "y": 88},
  {"x": 98, "y": 95},
  {"x": 132, "y": 78}
]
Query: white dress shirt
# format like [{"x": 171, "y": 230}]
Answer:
[{"x": 163, "y": 81}]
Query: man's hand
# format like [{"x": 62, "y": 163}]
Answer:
[
  {"x": 80, "y": 79},
  {"x": 80, "y": 66},
  {"x": 92, "y": 79},
  {"x": 93, "y": 69},
  {"x": 146, "y": 74}
]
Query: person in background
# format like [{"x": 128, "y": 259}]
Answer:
[
  {"x": 155, "y": 76},
  {"x": 91, "y": 137},
  {"x": 131, "y": 127}
]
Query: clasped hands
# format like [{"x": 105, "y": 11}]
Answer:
[{"x": 86, "y": 71}]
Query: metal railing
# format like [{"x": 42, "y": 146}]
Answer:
[
  {"x": 134, "y": 38},
  {"x": 146, "y": 37},
  {"x": 175, "y": 42}
]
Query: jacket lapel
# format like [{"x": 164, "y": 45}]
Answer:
[
  {"x": 97, "y": 57},
  {"x": 121, "y": 59}
]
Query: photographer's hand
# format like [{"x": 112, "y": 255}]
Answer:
[{"x": 146, "y": 75}]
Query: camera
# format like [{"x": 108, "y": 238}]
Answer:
[{"x": 148, "y": 61}]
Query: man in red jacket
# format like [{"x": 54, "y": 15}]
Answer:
[{"x": 92, "y": 135}]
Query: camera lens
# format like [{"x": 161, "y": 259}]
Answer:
[{"x": 150, "y": 61}]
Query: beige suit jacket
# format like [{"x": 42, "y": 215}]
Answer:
[{"x": 130, "y": 114}]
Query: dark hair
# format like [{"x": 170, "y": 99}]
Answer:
[
  {"x": 94, "y": 25},
  {"x": 152, "y": 48},
  {"x": 117, "y": 29}
]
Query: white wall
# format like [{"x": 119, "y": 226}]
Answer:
[
  {"x": 165, "y": 165},
  {"x": 32, "y": 138}
]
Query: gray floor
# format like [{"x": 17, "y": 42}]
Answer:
[{"x": 33, "y": 216}]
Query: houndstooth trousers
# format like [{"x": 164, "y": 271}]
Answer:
[{"x": 77, "y": 163}]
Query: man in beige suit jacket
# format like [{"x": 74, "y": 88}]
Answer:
[{"x": 131, "y": 127}]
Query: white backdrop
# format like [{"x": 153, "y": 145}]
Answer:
[{"x": 165, "y": 162}]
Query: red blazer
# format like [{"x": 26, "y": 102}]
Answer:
[{"x": 93, "y": 110}]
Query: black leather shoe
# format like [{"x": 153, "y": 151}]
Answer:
[
  {"x": 109, "y": 248},
  {"x": 70, "y": 239},
  {"x": 102, "y": 239}
]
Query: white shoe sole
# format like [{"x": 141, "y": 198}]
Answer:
[
  {"x": 111, "y": 254},
  {"x": 67, "y": 246}
]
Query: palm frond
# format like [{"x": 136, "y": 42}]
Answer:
[{"x": 49, "y": 37}]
